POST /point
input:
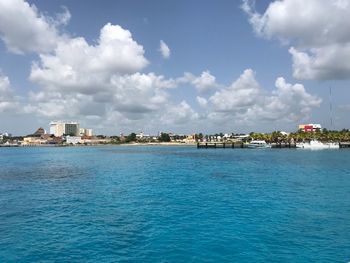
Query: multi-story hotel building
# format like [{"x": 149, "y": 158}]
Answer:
[{"x": 60, "y": 128}]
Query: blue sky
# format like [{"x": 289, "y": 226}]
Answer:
[{"x": 232, "y": 66}]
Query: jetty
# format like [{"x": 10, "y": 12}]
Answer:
[
  {"x": 214, "y": 145},
  {"x": 344, "y": 145},
  {"x": 232, "y": 145}
]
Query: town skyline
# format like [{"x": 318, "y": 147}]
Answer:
[
  {"x": 61, "y": 128},
  {"x": 184, "y": 66}
]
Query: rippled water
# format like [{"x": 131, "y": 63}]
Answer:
[{"x": 174, "y": 204}]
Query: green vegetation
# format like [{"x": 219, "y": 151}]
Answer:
[
  {"x": 131, "y": 137},
  {"x": 164, "y": 137},
  {"x": 325, "y": 135}
]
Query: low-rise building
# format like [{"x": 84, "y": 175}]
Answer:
[
  {"x": 311, "y": 127},
  {"x": 73, "y": 140},
  {"x": 28, "y": 141},
  {"x": 39, "y": 132},
  {"x": 5, "y": 134},
  {"x": 93, "y": 140}
]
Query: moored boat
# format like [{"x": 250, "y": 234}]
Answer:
[
  {"x": 315, "y": 144},
  {"x": 258, "y": 144}
]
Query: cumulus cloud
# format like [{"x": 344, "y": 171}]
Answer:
[
  {"x": 83, "y": 80},
  {"x": 180, "y": 114},
  {"x": 24, "y": 29},
  {"x": 202, "y": 101},
  {"x": 104, "y": 84},
  {"x": 103, "y": 80},
  {"x": 317, "y": 31},
  {"x": 134, "y": 95},
  {"x": 331, "y": 62},
  {"x": 8, "y": 101},
  {"x": 243, "y": 93},
  {"x": 203, "y": 83},
  {"x": 75, "y": 64},
  {"x": 62, "y": 18},
  {"x": 246, "y": 101},
  {"x": 164, "y": 49}
]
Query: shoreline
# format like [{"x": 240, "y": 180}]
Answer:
[
  {"x": 99, "y": 145},
  {"x": 158, "y": 144}
]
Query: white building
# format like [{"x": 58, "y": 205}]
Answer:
[
  {"x": 141, "y": 135},
  {"x": 73, "y": 139},
  {"x": 59, "y": 128},
  {"x": 88, "y": 132},
  {"x": 85, "y": 132}
]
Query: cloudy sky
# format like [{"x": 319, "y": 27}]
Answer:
[{"x": 181, "y": 66}]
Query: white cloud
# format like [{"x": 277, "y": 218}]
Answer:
[
  {"x": 133, "y": 95},
  {"x": 8, "y": 101},
  {"x": 63, "y": 18},
  {"x": 164, "y": 49},
  {"x": 77, "y": 65},
  {"x": 203, "y": 83},
  {"x": 103, "y": 81},
  {"x": 331, "y": 62},
  {"x": 246, "y": 101},
  {"x": 317, "y": 30},
  {"x": 202, "y": 101},
  {"x": 24, "y": 29},
  {"x": 244, "y": 92},
  {"x": 179, "y": 114},
  {"x": 306, "y": 23}
]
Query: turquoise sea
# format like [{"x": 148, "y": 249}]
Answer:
[{"x": 174, "y": 204}]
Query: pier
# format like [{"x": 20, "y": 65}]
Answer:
[
  {"x": 232, "y": 145},
  {"x": 344, "y": 145},
  {"x": 223, "y": 145},
  {"x": 283, "y": 145}
]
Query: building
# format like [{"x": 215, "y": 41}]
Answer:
[
  {"x": 310, "y": 127},
  {"x": 39, "y": 132},
  {"x": 27, "y": 141},
  {"x": 60, "y": 128},
  {"x": 5, "y": 134},
  {"x": 73, "y": 139},
  {"x": 141, "y": 136},
  {"x": 57, "y": 128},
  {"x": 88, "y": 132},
  {"x": 85, "y": 132}
]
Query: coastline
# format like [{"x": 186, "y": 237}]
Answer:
[
  {"x": 158, "y": 144},
  {"x": 99, "y": 145}
]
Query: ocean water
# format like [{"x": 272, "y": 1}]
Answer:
[{"x": 174, "y": 204}]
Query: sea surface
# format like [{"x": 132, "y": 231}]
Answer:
[{"x": 174, "y": 204}]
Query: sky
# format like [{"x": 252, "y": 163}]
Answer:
[{"x": 184, "y": 66}]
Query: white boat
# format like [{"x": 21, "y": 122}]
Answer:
[
  {"x": 315, "y": 144},
  {"x": 258, "y": 144}
]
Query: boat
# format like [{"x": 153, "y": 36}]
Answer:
[
  {"x": 258, "y": 144},
  {"x": 315, "y": 144}
]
